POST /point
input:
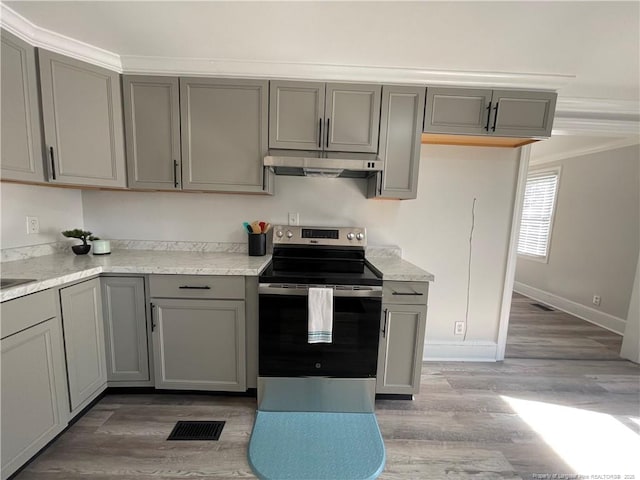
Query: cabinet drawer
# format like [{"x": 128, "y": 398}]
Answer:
[
  {"x": 26, "y": 311},
  {"x": 196, "y": 286},
  {"x": 407, "y": 293}
]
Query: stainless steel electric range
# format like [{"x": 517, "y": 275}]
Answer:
[{"x": 293, "y": 373}]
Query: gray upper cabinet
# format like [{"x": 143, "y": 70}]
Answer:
[
  {"x": 400, "y": 131},
  {"x": 152, "y": 129},
  {"x": 84, "y": 342},
  {"x": 505, "y": 113},
  {"x": 523, "y": 114},
  {"x": 82, "y": 115},
  {"x": 340, "y": 117},
  {"x": 21, "y": 138},
  {"x": 352, "y": 117},
  {"x": 224, "y": 126},
  {"x": 457, "y": 111},
  {"x": 296, "y": 112},
  {"x": 125, "y": 328}
]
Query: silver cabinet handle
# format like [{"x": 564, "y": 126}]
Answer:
[{"x": 408, "y": 293}]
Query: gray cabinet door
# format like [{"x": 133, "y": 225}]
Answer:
[
  {"x": 457, "y": 111},
  {"x": 400, "y": 137},
  {"x": 34, "y": 392},
  {"x": 224, "y": 134},
  {"x": 401, "y": 346},
  {"x": 125, "y": 327},
  {"x": 199, "y": 344},
  {"x": 152, "y": 129},
  {"x": 84, "y": 341},
  {"x": 296, "y": 111},
  {"x": 82, "y": 115},
  {"x": 522, "y": 114},
  {"x": 352, "y": 117},
  {"x": 21, "y": 140}
]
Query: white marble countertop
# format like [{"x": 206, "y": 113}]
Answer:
[
  {"x": 395, "y": 268},
  {"x": 54, "y": 270}
]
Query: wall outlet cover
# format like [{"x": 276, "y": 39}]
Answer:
[
  {"x": 294, "y": 218},
  {"x": 33, "y": 225},
  {"x": 459, "y": 328}
]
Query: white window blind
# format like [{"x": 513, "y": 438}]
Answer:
[{"x": 537, "y": 213}]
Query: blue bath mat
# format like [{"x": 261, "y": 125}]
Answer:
[{"x": 316, "y": 446}]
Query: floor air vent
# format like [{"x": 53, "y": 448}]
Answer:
[
  {"x": 542, "y": 307},
  {"x": 196, "y": 430}
]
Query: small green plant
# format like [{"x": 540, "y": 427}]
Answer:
[{"x": 83, "y": 235}]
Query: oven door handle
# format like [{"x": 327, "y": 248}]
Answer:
[{"x": 303, "y": 290}]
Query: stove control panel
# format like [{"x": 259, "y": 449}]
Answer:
[{"x": 336, "y": 236}]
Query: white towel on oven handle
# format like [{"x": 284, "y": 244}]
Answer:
[{"x": 320, "y": 315}]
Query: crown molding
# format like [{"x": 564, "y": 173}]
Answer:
[
  {"x": 575, "y": 107},
  {"x": 579, "y": 152},
  {"x": 16, "y": 24},
  {"x": 336, "y": 72},
  {"x": 601, "y": 127}
]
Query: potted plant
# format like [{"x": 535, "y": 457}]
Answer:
[{"x": 83, "y": 235}]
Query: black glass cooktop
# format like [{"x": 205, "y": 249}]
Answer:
[{"x": 367, "y": 275}]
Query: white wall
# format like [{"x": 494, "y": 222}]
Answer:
[
  {"x": 433, "y": 230},
  {"x": 595, "y": 239},
  {"x": 631, "y": 341},
  {"x": 57, "y": 209}
]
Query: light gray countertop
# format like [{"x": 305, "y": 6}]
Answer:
[
  {"x": 395, "y": 268},
  {"x": 54, "y": 270}
]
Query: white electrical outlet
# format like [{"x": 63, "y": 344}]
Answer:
[
  {"x": 294, "y": 218},
  {"x": 459, "y": 329},
  {"x": 596, "y": 300},
  {"x": 33, "y": 225}
]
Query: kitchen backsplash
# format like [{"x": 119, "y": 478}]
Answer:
[{"x": 23, "y": 253}]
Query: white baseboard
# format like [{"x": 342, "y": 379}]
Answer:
[
  {"x": 591, "y": 315},
  {"x": 470, "y": 351}
]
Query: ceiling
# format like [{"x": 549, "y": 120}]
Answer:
[{"x": 596, "y": 43}]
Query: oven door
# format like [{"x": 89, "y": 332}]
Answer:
[{"x": 283, "y": 326}]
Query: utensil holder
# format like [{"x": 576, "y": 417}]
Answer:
[{"x": 257, "y": 244}]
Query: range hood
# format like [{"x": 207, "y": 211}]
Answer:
[{"x": 323, "y": 164}]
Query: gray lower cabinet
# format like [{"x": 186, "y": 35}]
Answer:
[
  {"x": 21, "y": 139},
  {"x": 199, "y": 344},
  {"x": 82, "y": 117},
  {"x": 34, "y": 391},
  {"x": 505, "y": 113},
  {"x": 125, "y": 329},
  {"x": 152, "y": 129},
  {"x": 84, "y": 342},
  {"x": 224, "y": 127},
  {"x": 402, "y": 331},
  {"x": 341, "y": 117},
  {"x": 400, "y": 142}
]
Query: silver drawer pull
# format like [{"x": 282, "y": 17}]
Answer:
[
  {"x": 408, "y": 293},
  {"x": 190, "y": 287}
]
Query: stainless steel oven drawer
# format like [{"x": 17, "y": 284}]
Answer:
[
  {"x": 406, "y": 293},
  {"x": 197, "y": 286}
]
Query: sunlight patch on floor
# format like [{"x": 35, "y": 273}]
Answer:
[{"x": 591, "y": 443}]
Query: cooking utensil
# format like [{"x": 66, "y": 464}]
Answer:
[{"x": 247, "y": 226}]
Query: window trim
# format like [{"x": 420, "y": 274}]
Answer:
[{"x": 540, "y": 172}]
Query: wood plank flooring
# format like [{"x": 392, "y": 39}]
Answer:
[
  {"x": 534, "y": 333},
  {"x": 461, "y": 426}
]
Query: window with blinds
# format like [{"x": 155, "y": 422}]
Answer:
[{"x": 537, "y": 214}]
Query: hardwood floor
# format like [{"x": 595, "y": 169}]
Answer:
[
  {"x": 535, "y": 333},
  {"x": 470, "y": 421},
  {"x": 465, "y": 424}
]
